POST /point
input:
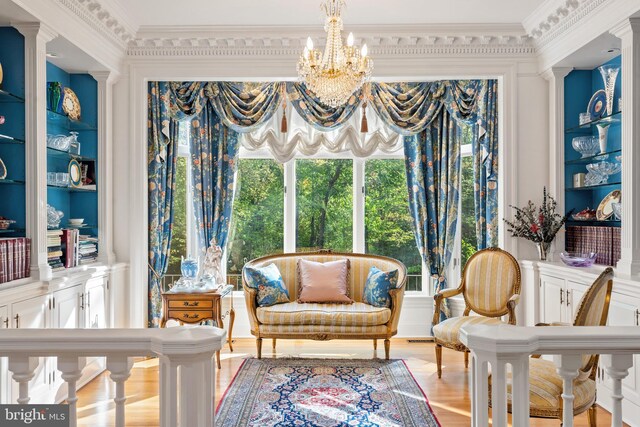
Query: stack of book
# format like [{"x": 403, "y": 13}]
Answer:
[
  {"x": 88, "y": 249},
  {"x": 15, "y": 258},
  {"x": 70, "y": 239},
  {"x": 54, "y": 249}
]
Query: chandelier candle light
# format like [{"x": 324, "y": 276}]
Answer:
[{"x": 341, "y": 70}]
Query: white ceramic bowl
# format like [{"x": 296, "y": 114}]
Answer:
[{"x": 77, "y": 221}]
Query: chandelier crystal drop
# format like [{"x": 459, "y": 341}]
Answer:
[{"x": 341, "y": 70}]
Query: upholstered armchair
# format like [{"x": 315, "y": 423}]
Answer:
[
  {"x": 545, "y": 385},
  {"x": 490, "y": 286}
]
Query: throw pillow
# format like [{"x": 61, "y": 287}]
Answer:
[
  {"x": 268, "y": 281},
  {"x": 376, "y": 290},
  {"x": 324, "y": 282}
]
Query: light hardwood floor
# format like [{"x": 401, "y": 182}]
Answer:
[{"x": 449, "y": 396}]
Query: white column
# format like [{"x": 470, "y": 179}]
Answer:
[
  {"x": 498, "y": 392},
  {"x": 290, "y": 206},
  {"x": 358, "y": 205},
  {"x": 479, "y": 390},
  {"x": 168, "y": 392},
  {"x": 71, "y": 368},
  {"x": 36, "y": 36},
  {"x": 520, "y": 390},
  {"x": 196, "y": 391},
  {"x": 106, "y": 80},
  {"x": 120, "y": 368},
  {"x": 617, "y": 367},
  {"x": 23, "y": 369},
  {"x": 629, "y": 33},
  {"x": 568, "y": 366},
  {"x": 555, "y": 76}
]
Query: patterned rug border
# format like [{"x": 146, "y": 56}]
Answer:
[{"x": 404, "y": 362}]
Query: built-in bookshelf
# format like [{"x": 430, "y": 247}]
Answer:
[
  {"x": 12, "y": 132},
  {"x": 579, "y": 87},
  {"x": 75, "y": 201}
]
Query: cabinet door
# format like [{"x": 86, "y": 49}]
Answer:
[
  {"x": 96, "y": 299},
  {"x": 573, "y": 296},
  {"x": 552, "y": 299},
  {"x": 66, "y": 308},
  {"x": 4, "y": 378},
  {"x": 34, "y": 313}
]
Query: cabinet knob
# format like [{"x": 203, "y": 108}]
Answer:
[
  {"x": 82, "y": 301},
  {"x": 561, "y": 296},
  {"x": 17, "y": 318},
  {"x": 637, "y": 317},
  {"x": 6, "y": 322},
  {"x": 568, "y": 300}
]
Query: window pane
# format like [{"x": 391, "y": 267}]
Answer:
[
  {"x": 324, "y": 204},
  {"x": 179, "y": 226},
  {"x": 468, "y": 243},
  {"x": 257, "y": 227},
  {"x": 388, "y": 223}
]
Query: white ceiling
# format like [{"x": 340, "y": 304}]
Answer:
[{"x": 307, "y": 12}]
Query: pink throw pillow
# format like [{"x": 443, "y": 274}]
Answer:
[{"x": 324, "y": 282}]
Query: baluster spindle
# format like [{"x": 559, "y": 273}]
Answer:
[
  {"x": 520, "y": 390},
  {"x": 23, "y": 369},
  {"x": 567, "y": 366},
  {"x": 479, "y": 390},
  {"x": 168, "y": 392},
  {"x": 71, "y": 368},
  {"x": 498, "y": 393},
  {"x": 617, "y": 367},
  {"x": 120, "y": 368}
]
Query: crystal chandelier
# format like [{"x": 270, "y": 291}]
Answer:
[{"x": 335, "y": 75}]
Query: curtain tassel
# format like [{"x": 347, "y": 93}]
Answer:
[
  {"x": 283, "y": 124},
  {"x": 364, "y": 126}
]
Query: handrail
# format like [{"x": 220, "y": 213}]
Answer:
[
  {"x": 505, "y": 344},
  {"x": 186, "y": 349}
]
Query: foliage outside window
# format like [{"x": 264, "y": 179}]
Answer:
[
  {"x": 468, "y": 241},
  {"x": 388, "y": 223},
  {"x": 179, "y": 227},
  {"x": 324, "y": 199}
]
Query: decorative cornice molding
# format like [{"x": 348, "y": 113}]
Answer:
[
  {"x": 290, "y": 44},
  {"x": 95, "y": 14},
  {"x": 554, "y": 17}
]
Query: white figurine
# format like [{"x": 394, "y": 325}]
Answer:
[{"x": 213, "y": 263}]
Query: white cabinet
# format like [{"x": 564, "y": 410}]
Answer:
[
  {"x": 34, "y": 313},
  {"x": 4, "y": 389},
  {"x": 67, "y": 307},
  {"x": 560, "y": 298},
  {"x": 95, "y": 299}
]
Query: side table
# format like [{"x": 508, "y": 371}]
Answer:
[{"x": 197, "y": 307}]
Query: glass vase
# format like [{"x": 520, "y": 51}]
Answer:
[
  {"x": 609, "y": 75},
  {"x": 543, "y": 250}
]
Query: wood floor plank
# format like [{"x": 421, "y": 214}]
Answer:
[{"x": 449, "y": 396}]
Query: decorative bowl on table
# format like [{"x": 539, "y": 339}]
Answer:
[
  {"x": 587, "y": 146},
  {"x": 584, "y": 215},
  {"x": 5, "y": 223},
  {"x": 578, "y": 259}
]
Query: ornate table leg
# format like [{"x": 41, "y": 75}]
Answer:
[
  {"x": 220, "y": 325},
  {"x": 232, "y": 318}
]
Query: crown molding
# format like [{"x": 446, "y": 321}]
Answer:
[
  {"x": 437, "y": 40},
  {"x": 105, "y": 20},
  {"x": 555, "y": 17}
]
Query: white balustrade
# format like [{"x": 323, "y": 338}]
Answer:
[
  {"x": 184, "y": 352},
  {"x": 505, "y": 345}
]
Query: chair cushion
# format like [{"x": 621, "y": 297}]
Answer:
[
  {"x": 376, "y": 290},
  {"x": 294, "y": 313},
  {"x": 324, "y": 282},
  {"x": 545, "y": 390},
  {"x": 448, "y": 331},
  {"x": 268, "y": 281}
]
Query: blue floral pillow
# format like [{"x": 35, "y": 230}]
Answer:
[
  {"x": 268, "y": 281},
  {"x": 376, "y": 290}
]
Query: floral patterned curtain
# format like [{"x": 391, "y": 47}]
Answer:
[
  {"x": 317, "y": 114},
  {"x": 432, "y": 160},
  {"x": 485, "y": 168},
  {"x": 161, "y": 160},
  {"x": 214, "y": 152}
]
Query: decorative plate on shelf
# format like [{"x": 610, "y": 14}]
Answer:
[
  {"x": 605, "y": 210},
  {"x": 75, "y": 174},
  {"x": 71, "y": 104},
  {"x": 3, "y": 170},
  {"x": 597, "y": 104}
]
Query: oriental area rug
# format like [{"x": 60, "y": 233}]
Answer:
[{"x": 324, "y": 393}]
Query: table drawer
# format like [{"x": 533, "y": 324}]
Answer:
[
  {"x": 191, "y": 304},
  {"x": 190, "y": 315}
]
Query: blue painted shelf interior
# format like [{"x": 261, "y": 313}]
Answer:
[
  {"x": 12, "y": 147},
  {"x": 75, "y": 202},
  {"x": 580, "y": 85}
]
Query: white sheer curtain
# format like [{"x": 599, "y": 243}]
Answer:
[{"x": 302, "y": 138}]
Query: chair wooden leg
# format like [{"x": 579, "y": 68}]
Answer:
[
  {"x": 466, "y": 359},
  {"x": 375, "y": 344},
  {"x": 274, "y": 344},
  {"x": 259, "y": 347},
  {"x": 387, "y": 348},
  {"x": 439, "y": 359},
  {"x": 592, "y": 414}
]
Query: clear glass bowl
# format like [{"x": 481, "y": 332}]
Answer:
[
  {"x": 617, "y": 210},
  {"x": 587, "y": 146},
  {"x": 577, "y": 259},
  {"x": 604, "y": 168}
]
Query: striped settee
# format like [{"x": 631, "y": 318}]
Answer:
[{"x": 326, "y": 321}]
